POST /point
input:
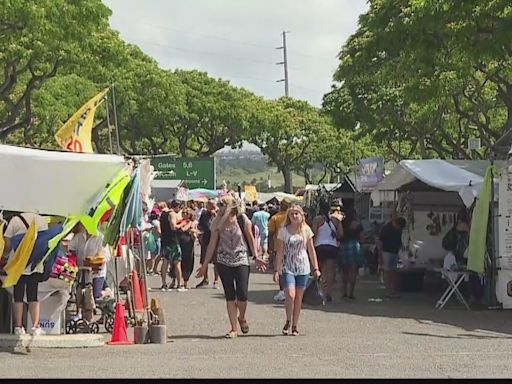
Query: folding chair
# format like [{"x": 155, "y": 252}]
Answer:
[{"x": 453, "y": 288}]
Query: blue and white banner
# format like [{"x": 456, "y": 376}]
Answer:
[{"x": 370, "y": 171}]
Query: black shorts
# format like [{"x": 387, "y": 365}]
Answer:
[
  {"x": 326, "y": 252},
  {"x": 235, "y": 281},
  {"x": 28, "y": 283}
]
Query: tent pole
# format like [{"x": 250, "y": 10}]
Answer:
[
  {"x": 143, "y": 251},
  {"x": 116, "y": 276},
  {"x": 109, "y": 127},
  {"x": 115, "y": 118}
]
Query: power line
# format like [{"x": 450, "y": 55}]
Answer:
[
  {"x": 208, "y": 36},
  {"x": 204, "y": 52},
  {"x": 214, "y": 37}
]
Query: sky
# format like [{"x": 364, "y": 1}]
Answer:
[{"x": 236, "y": 40}]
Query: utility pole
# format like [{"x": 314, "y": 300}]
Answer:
[{"x": 285, "y": 64}]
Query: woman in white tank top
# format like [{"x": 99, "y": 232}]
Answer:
[{"x": 328, "y": 232}]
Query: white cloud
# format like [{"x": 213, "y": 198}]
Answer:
[{"x": 236, "y": 40}]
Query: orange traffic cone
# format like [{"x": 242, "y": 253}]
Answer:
[
  {"x": 137, "y": 296},
  {"x": 119, "y": 334},
  {"x": 143, "y": 291}
]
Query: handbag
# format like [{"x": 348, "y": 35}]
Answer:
[
  {"x": 65, "y": 267},
  {"x": 313, "y": 295}
]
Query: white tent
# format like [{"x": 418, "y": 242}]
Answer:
[
  {"x": 51, "y": 182},
  {"x": 450, "y": 176}
]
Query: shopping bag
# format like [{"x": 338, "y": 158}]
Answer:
[{"x": 313, "y": 294}]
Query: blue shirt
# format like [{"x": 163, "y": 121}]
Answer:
[{"x": 260, "y": 219}]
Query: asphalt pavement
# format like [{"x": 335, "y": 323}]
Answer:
[{"x": 371, "y": 338}]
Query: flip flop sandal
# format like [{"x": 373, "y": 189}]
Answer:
[
  {"x": 295, "y": 332},
  {"x": 286, "y": 328},
  {"x": 231, "y": 335},
  {"x": 243, "y": 326}
]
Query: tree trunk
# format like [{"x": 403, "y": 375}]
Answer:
[
  {"x": 287, "y": 175},
  {"x": 183, "y": 147},
  {"x": 423, "y": 150}
]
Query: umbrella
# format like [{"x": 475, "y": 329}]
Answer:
[{"x": 201, "y": 193}]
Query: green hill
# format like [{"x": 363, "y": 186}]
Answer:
[{"x": 235, "y": 176}]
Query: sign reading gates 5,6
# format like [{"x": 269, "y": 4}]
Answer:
[{"x": 194, "y": 172}]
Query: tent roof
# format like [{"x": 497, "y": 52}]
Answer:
[
  {"x": 462, "y": 176},
  {"x": 53, "y": 182}
]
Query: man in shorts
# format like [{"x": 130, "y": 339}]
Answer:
[
  {"x": 388, "y": 245},
  {"x": 204, "y": 226}
]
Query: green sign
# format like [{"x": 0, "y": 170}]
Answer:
[{"x": 194, "y": 172}]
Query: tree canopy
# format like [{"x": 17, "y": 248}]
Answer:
[
  {"x": 428, "y": 74},
  {"x": 57, "y": 54}
]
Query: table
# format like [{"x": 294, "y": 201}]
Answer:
[
  {"x": 454, "y": 279},
  {"x": 410, "y": 278}
]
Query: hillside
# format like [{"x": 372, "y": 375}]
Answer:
[{"x": 250, "y": 167}]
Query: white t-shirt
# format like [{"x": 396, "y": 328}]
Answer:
[
  {"x": 16, "y": 227},
  {"x": 450, "y": 263},
  {"x": 93, "y": 246},
  {"x": 295, "y": 259}
]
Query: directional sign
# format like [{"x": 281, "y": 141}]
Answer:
[{"x": 194, "y": 172}]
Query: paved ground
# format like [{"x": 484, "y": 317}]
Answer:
[{"x": 366, "y": 338}]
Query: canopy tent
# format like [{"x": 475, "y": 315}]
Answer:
[
  {"x": 462, "y": 177},
  {"x": 51, "y": 182}
]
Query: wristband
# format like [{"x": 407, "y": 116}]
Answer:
[{"x": 316, "y": 269}]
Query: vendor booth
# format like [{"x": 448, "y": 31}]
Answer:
[
  {"x": 102, "y": 192},
  {"x": 430, "y": 195},
  {"x": 55, "y": 184}
]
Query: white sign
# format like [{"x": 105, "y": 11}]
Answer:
[
  {"x": 505, "y": 220},
  {"x": 182, "y": 194},
  {"x": 504, "y": 288}
]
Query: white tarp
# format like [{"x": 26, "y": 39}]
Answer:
[
  {"x": 53, "y": 183},
  {"x": 436, "y": 173}
]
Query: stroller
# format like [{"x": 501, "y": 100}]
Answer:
[{"x": 91, "y": 319}]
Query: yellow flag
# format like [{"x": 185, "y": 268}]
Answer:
[
  {"x": 250, "y": 193},
  {"x": 75, "y": 134},
  {"x": 18, "y": 262}
]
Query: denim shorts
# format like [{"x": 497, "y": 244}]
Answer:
[
  {"x": 299, "y": 282},
  {"x": 389, "y": 261}
]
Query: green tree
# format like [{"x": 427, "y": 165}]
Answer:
[
  {"x": 427, "y": 74},
  {"x": 292, "y": 134},
  {"x": 215, "y": 114},
  {"x": 37, "y": 39}
]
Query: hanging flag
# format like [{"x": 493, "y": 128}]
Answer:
[
  {"x": 75, "y": 134},
  {"x": 18, "y": 262},
  {"x": 478, "y": 233}
]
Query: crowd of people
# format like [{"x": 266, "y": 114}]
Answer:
[{"x": 277, "y": 237}]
